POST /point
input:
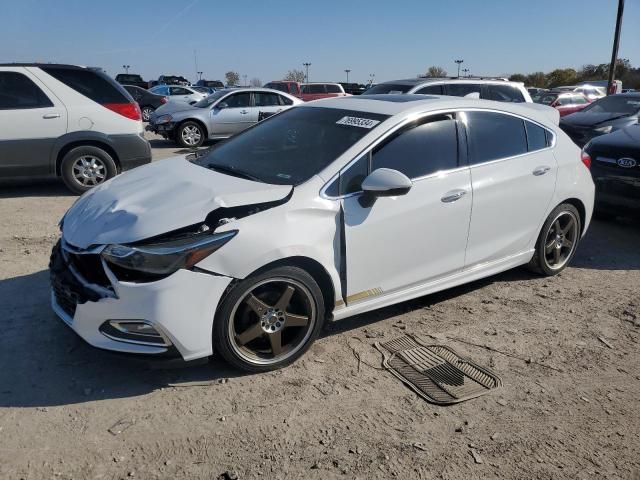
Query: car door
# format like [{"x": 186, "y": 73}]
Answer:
[
  {"x": 31, "y": 119},
  {"x": 232, "y": 114},
  {"x": 396, "y": 242},
  {"x": 181, "y": 94},
  {"x": 266, "y": 104},
  {"x": 513, "y": 174}
]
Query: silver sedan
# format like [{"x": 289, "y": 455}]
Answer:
[{"x": 220, "y": 115}]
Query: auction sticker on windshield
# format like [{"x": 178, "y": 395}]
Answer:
[{"x": 358, "y": 122}]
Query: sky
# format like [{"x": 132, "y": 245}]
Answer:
[{"x": 266, "y": 38}]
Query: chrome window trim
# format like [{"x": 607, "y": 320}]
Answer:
[{"x": 419, "y": 116}]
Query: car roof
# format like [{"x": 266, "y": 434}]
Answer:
[
  {"x": 404, "y": 105},
  {"x": 36, "y": 64},
  {"x": 421, "y": 80}
]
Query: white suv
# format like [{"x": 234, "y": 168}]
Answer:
[
  {"x": 487, "y": 89},
  {"x": 68, "y": 121}
]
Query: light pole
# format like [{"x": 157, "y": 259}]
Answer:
[
  {"x": 245, "y": 80},
  {"x": 347, "y": 70},
  {"x": 307, "y": 65},
  {"x": 372, "y": 76},
  {"x": 616, "y": 43},
  {"x": 126, "y": 68},
  {"x": 465, "y": 71},
  {"x": 199, "y": 75},
  {"x": 459, "y": 62}
]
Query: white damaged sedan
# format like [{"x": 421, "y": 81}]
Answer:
[{"x": 324, "y": 211}]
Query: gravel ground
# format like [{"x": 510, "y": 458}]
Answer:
[{"x": 565, "y": 347}]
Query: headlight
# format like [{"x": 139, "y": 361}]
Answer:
[
  {"x": 164, "y": 119},
  {"x": 163, "y": 259},
  {"x": 606, "y": 129}
]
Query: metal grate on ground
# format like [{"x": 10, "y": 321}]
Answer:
[{"x": 435, "y": 372}]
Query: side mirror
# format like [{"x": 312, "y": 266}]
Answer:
[
  {"x": 385, "y": 182},
  {"x": 222, "y": 105}
]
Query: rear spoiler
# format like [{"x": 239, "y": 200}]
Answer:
[{"x": 549, "y": 112}]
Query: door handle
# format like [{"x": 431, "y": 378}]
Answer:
[
  {"x": 541, "y": 170},
  {"x": 453, "y": 195},
  {"x": 243, "y": 112},
  {"x": 51, "y": 115}
]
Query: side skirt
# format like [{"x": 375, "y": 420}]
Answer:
[{"x": 469, "y": 275}]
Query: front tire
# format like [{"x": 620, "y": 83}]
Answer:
[
  {"x": 85, "y": 167},
  {"x": 558, "y": 241},
  {"x": 190, "y": 135},
  {"x": 269, "y": 320}
]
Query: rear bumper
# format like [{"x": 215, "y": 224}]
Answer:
[{"x": 132, "y": 150}]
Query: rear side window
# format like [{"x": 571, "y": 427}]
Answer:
[
  {"x": 333, "y": 88},
  {"x": 94, "y": 85},
  {"x": 18, "y": 92},
  {"x": 492, "y": 136},
  {"x": 505, "y": 93},
  {"x": 313, "y": 89},
  {"x": 421, "y": 150},
  {"x": 431, "y": 90},
  {"x": 263, "y": 99},
  {"x": 285, "y": 100},
  {"x": 462, "y": 89},
  {"x": 536, "y": 137}
]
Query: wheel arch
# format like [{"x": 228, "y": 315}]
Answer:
[
  {"x": 84, "y": 142},
  {"x": 194, "y": 120},
  {"x": 313, "y": 268},
  {"x": 581, "y": 210}
]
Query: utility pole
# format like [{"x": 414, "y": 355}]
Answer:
[
  {"x": 347, "y": 72},
  {"x": 616, "y": 44},
  {"x": 459, "y": 62},
  {"x": 126, "y": 68},
  {"x": 307, "y": 65},
  {"x": 195, "y": 59}
]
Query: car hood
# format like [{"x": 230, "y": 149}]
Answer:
[
  {"x": 158, "y": 198},
  {"x": 172, "y": 107},
  {"x": 586, "y": 119}
]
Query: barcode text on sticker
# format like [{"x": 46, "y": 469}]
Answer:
[{"x": 358, "y": 122}]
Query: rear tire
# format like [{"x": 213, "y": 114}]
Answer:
[
  {"x": 85, "y": 167},
  {"x": 558, "y": 241},
  {"x": 269, "y": 320},
  {"x": 146, "y": 113},
  {"x": 190, "y": 134}
]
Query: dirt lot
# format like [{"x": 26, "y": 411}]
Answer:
[{"x": 570, "y": 364}]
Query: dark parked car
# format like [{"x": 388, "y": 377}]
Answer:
[
  {"x": 131, "y": 79},
  {"x": 601, "y": 117},
  {"x": 147, "y": 101},
  {"x": 172, "y": 80},
  {"x": 353, "y": 88},
  {"x": 615, "y": 167},
  {"x": 215, "y": 84}
]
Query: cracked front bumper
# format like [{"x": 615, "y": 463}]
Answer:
[{"x": 181, "y": 307}]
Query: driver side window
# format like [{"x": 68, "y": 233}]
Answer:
[{"x": 238, "y": 100}]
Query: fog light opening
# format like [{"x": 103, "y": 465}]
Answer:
[{"x": 134, "y": 331}]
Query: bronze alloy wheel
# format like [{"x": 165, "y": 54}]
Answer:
[
  {"x": 561, "y": 240},
  {"x": 272, "y": 321}
]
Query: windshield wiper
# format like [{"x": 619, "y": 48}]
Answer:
[{"x": 233, "y": 172}]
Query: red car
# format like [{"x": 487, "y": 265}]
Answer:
[
  {"x": 564, "y": 102},
  {"x": 316, "y": 91},
  {"x": 292, "y": 88}
]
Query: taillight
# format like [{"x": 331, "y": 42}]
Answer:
[
  {"x": 586, "y": 159},
  {"x": 163, "y": 100},
  {"x": 129, "y": 110}
]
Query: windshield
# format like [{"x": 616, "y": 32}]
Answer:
[
  {"x": 291, "y": 147},
  {"x": 211, "y": 99},
  {"x": 389, "y": 88},
  {"x": 615, "y": 104}
]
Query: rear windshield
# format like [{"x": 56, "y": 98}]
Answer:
[
  {"x": 94, "y": 85},
  {"x": 129, "y": 78},
  {"x": 291, "y": 147},
  {"x": 615, "y": 104},
  {"x": 389, "y": 88}
]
